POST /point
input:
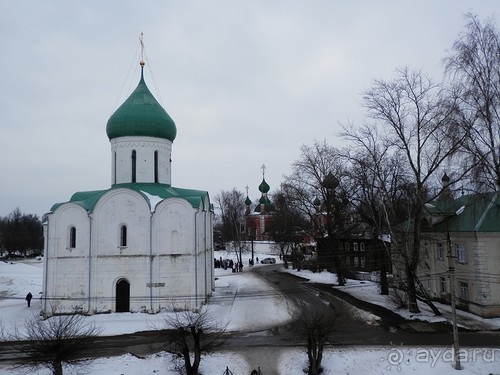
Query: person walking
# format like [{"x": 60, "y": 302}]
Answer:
[{"x": 28, "y": 298}]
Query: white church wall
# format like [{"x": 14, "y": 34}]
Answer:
[
  {"x": 107, "y": 272},
  {"x": 114, "y": 209},
  {"x": 67, "y": 261},
  {"x": 178, "y": 215},
  {"x": 173, "y": 244},
  {"x": 111, "y": 260}
]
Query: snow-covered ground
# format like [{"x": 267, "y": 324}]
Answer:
[{"x": 19, "y": 278}]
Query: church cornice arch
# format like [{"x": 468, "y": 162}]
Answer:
[
  {"x": 165, "y": 204},
  {"x": 110, "y": 194},
  {"x": 66, "y": 206}
]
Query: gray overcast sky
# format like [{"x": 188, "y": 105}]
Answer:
[{"x": 246, "y": 82}]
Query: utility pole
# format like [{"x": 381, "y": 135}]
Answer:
[{"x": 451, "y": 271}]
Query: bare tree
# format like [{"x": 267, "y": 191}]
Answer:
[
  {"x": 420, "y": 122},
  {"x": 52, "y": 342},
  {"x": 288, "y": 224},
  {"x": 190, "y": 334},
  {"x": 306, "y": 185},
  {"x": 474, "y": 66},
  {"x": 20, "y": 232},
  {"x": 376, "y": 177},
  {"x": 316, "y": 325},
  {"x": 231, "y": 205}
]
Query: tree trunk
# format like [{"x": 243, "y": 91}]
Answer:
[
  {"x": 426, "y": 298},
  {"x": 411, "y": 290},
  {"x": 384, "y": 287},
  {"x": 187, "y": 359},
  {"x": 57, "y": 368},
  {"x": 414, "y": 259},
  {"x": 315, "y": 355},
  {"x": 197, "y": 353}
]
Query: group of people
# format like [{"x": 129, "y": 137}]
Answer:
[{"x": 228, "y": 263}]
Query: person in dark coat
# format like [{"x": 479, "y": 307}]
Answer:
[{"x": 28, "y": 298}]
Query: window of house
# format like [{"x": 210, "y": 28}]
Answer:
[
  {"x": 363, "y": 262},
  {"x": 460, "y": 250},
  {"x": 123, "y": 236},
  {"x": 134, "y": 165},
  {"x": 355, "y": 245},
  {"x": 426, "y": 249},
  {"x": 440, "y": 251},
  {"x": 442, "y": 284},
  {"x": 72, "y": 237},
  {"x": 464, "y": 290},
  {"x": 348, "y": 260},
  {"x": 356, "y": 261},
  {"x": 362, "y": 246},
  {"x": 427, "y": 281},
  {"x": 347, "y": 247}
]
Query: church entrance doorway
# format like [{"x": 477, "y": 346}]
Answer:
[{"x": 122, "y": 296}]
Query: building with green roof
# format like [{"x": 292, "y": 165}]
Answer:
[
  {"x": 463, "y": 233},
  {"x": 141, "y": 244}
]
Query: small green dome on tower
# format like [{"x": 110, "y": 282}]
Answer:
[
  {"x": 317, "y": 202},
  {"x": 264, "y": 187},
  {"x": 141, "y": 115}
]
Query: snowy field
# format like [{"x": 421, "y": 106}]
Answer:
[
  {"x": 18, "y": 278},
  {"x": 351, "y": 361}
]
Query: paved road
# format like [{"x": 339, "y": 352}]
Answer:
[{"x": 357, "y": 326}]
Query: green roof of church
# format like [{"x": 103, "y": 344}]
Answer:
[
  {"x": 141, "y": 115},
  {"x": 151, "y": 192}
]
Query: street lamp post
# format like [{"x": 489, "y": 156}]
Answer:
[{"x": 451, "y": 272}]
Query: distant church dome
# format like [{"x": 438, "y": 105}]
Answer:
[
  {"x": 141, "y": 115},
  {"x": 264, "y": 187}
]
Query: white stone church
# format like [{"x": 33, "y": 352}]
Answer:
[{"x": 140, "y": 245}]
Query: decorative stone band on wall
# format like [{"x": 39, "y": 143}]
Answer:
[{"x": 143, "y": 144}]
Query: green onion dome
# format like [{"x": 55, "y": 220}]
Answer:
[
  {"x": 317, "y": 202},
  {"x": 141, "y": 115},
  {"x": 264, "y": 187}
]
